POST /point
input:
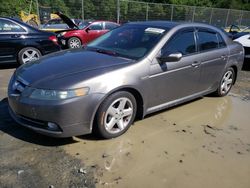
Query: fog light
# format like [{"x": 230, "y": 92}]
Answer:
[{"x": 52, "y": 126}]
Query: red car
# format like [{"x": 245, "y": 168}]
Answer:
[{"x": 83, "y": 33}]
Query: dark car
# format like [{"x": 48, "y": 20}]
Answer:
[
  {"x": 131, "y": 71},
  {"x": 83, "y": 33},
  {"x": 21, "y": 43}
]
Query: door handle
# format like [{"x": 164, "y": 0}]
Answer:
[
  {"x": 195, "y": 64},
  {"x": 224, "y": 57},
  {"x": 16, "y": 36}
]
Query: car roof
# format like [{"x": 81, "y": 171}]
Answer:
[
  {"x": 16, "y": 19},
  {"x": 28, "y": 27},
  {"x": 169, "y": 24},
  {"x": 19, "y": 21},
  {"x": 162, "y": 24}
]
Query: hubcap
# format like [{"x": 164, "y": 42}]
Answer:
[
  {"x": 75, "y": 43},
  {"x": 227, "y": 81},
  {"x": 30, "y": 55},
  {"x": 118, "y": 115}
]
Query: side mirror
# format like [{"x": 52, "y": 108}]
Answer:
[
  {"x": 87, "y": 29},
  {"x": 174, "y": 57}
]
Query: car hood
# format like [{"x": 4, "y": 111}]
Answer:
[
  {"x": 67, "y": 20},
  {"x": 238, "y": 35},
  {"x": 68, "y": 63}
]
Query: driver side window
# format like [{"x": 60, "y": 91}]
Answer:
[
  {"x": 182, "y": 42},
  {"x": 96, "y": 26}
]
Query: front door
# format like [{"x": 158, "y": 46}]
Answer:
[
  {"x": 94, "y": 31},
  {"x": 171, "y": 81}
]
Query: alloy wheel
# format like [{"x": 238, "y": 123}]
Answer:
[
  {"x": 30, "y": 55},
  {"x": 118, "y": 115},
  {"x": 227, "y": 82},
  {"x": 74, "y": 43}
]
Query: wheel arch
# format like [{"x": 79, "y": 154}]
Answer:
[
  {"x": 74, "y": 36},
  {"x": 234, "y": 67},
  {"x": 134, "y": 92}
]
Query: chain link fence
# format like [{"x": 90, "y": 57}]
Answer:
[
  {"x": 152, "y": 11},
  {"x": 123, "y": 11}
]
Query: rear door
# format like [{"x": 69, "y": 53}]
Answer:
[
  {"x": 214, "y": 53},
  {"x": 11, "y": 37},
  {"x": 171, "y": 81}
]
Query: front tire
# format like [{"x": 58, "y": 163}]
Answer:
[
  {"x": 226, "y": 82},
  {"x": 116, "y": 114},
  {"x": 28, "y": 54},
  {"x": 74, "y": 42}
]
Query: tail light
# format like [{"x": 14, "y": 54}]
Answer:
[{"x": 53, "y": 39}]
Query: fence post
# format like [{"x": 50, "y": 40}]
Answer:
[
  {"x": 211, "y": 16},
  {"x": 228, "y": 12},
  {"x": 82, "y": 9},
  {"x": 147, "y": 12},
  {"x": 172, "y": 12},
  {"x": 118, "y": 11},
  {"x": 193, "y": 14},
  {"x": 241, "y": 16},
  {"x": 38, "y": 13}
]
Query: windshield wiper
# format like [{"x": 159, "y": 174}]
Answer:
[{"x": 103, "y": 51}]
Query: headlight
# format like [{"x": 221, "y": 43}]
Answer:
[
  {"x": 56, "y": 94},
  {"x": 61, "y": 34}
]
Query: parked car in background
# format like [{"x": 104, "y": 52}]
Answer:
[
  {"x": 83, "y": 33},
  {"x": 134, "y": 70},
  {"x": 21, "y": 43},
  {"x": 58, "y": 24},
  {"x": 241, "y": 35}
]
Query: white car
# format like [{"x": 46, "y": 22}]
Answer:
[{"x": 242, "y": 36}]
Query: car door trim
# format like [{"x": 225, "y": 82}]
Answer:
[{"x": 169, "y": 71}]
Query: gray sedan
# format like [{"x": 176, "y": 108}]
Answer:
[{"x": 132, "y": 71}]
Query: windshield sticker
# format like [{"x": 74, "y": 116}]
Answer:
[{"x": 154, "y": 30}]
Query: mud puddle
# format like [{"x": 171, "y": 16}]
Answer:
[{"x": 204, "y": 143}]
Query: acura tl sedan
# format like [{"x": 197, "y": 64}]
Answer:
[{"x": 132, "y": 71}]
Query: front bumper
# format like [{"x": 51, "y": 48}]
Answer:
[
  {"x": 62, "y": 41},
  {"x": 72, "y": 116}
]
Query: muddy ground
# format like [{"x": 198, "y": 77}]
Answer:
[{"x": 204, "y": 143}]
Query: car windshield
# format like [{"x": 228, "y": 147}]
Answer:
[
  {"x": 129, "y": 41},
  {"x": 83, "y": 24}
]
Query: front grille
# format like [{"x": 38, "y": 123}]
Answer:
[{"x": 33, "y": 122}]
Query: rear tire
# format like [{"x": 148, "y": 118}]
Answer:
[
  {"x": 28, "y": 54},
  {"x": 115, "y": 115},
  {"x": 226, "y": 82},
  {"x": 74, "y": 42}
]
